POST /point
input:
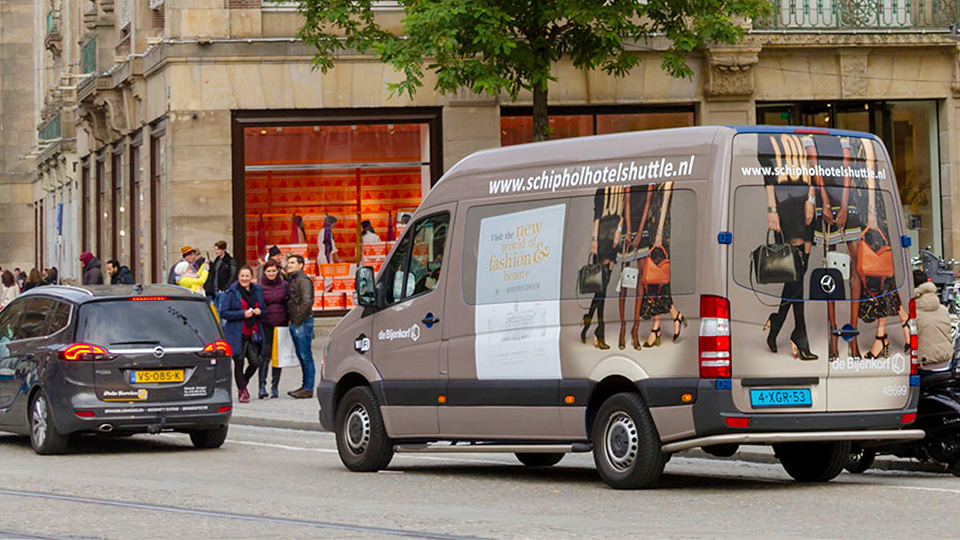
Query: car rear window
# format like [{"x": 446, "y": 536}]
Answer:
[{"x": 170, "y": 323}]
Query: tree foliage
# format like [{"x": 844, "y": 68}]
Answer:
[{"x": 494, "y": 46}]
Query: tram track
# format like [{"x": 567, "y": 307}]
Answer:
[{"x": 323, "y": 525}]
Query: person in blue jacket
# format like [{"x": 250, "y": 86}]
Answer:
[{"x": 241, "y": 307}]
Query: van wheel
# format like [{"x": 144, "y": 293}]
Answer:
[
  {"x": 209, "y": 438},
  {"x": 539, "y": 459},
  {"x": 626, "y": 446},
  {"x": 361, "y": 437},
  {"x": 44, "y": 437},
  {"x": 859, "y": 460},
  {"x": 813, "y": 461}
]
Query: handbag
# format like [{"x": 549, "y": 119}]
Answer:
[
  {"x": 840, "y": 262},
  {"x": 284, "y": 354},
  {"x": 655, "y": 273},
  {"x": 629, "y": 276},
  {"x": 874, "y": 262},
  {"x": 590, "y": 277},
  {"x": 775, "y": 263}
]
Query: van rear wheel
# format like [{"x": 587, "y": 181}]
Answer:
[
  {"x": 362, "y": 440},
  {"x": 539, "y": 459},
  {"x": 813, "y": 461},
  {"x": 626, "y": 445}
]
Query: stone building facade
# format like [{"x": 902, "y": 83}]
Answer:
[{"x": 162, "y": 123}]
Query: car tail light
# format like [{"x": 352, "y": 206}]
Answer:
[
  {"x": 914, "y": 339},
  {"x": 147, "y": 298},
  {"x": 83, "y": 352},
  {"x": 811, "y": 131},
  {"x": 908, "y": 418},
  {"x": 224, "y": 409},
  {"x": 715, "y": 354},
  {"x": 740, "y": 422},
  {"x": 217, "y": 349},
  {"x": 84, "y": 414}
]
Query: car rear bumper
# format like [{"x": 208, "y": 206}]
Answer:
[
  {"x": 325, "y": 396},
  {"x": 147, "y": 417}
]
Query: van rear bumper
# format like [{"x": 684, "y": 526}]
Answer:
[{"x": 788, "y": 437}]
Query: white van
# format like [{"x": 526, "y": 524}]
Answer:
[{"x": 636, "y": 295}]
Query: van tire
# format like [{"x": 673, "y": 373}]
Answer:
[
  {"x": 208, "y": 439},
  {"x": 813, "y": 461},
  {"x": 362, "y": 440},
  {"x": 540, "y": 459},
  {"x": 44, "y": 437},
  {"x": 636, "y": 461}
]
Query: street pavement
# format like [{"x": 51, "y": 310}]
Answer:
[{"x": 274, "y": 483}]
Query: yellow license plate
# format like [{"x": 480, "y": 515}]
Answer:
[{"x": 157, "y": 376}]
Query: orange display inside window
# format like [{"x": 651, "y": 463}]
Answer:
[{"x": 297, "y": 175}]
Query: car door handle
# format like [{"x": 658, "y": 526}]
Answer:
[{"x": 428, "y": 320}]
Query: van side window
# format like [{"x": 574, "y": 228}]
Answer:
[
  {"x": 34, "y": 320},
  {"x": 415, "y": 266}
]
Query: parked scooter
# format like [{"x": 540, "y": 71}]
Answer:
[{"x": 938, "y": 414}]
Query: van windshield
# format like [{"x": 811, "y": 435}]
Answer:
[
  {"x": 815, "y": 219},
  {"x": 169, "y": 323}
]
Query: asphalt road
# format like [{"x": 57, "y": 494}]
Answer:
[{"x": 269, "y": 483}]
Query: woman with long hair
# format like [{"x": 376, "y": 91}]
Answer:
[
  {"x": 790, "y": 210},
  {"x": 33, "y": 280},
  {"x": 276, "y": 291},
  {"x": 608, "y": 207},
  {"x": 241, "y": 309}
]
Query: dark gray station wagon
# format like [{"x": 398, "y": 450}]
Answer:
[{"x": 113, "y": 359}]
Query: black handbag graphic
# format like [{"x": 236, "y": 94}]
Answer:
[
  {"x": 590, "y": 277},
  {"x": 775, "y": 263}
]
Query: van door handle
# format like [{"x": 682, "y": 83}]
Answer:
[{"x": 430, "y": 320}]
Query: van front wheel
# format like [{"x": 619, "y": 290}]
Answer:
[
  {"x": 362, "y": 440},
  {"x": 813, "y": 461},
  {"x": 626, "y": 446}
]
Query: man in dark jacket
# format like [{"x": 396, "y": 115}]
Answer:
[
  {"x": 92, "y": 275},
  {"x": 119, "y": 275},
  {"x": 300, "y": 310},
  {"x": 223, "y": 272}
]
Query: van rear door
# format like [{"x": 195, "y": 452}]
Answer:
[{"x": 817, "y": 274}]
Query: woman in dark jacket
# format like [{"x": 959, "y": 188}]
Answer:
[
  {"x": 241, "y": 309},
  {"x": 33, "y": 280},
  {"x": 275, "y": 293}
]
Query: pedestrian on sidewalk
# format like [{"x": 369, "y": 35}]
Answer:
[
  {"x": 33, "y": 280},
  {"x": 20, "y": 277},
  {"x": 50, "y": 276},
  {"x": 300, "y": 311},
  {"x": 933, "y": 326},
  {"x": 241, "y": 310},
  {"x": 276, "y": 291},
  {"x": 119, "y": 275},
  {"x": 188, "y": 254},
  {"x": 223, "y": 272},
  {"x": 189, "y": 278},
  {"x": 275, "y": 255},
  {"x": 9, "y": 289},
  {"x": 92, "y": 275}
]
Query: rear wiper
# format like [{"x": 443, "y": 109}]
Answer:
[
  {"x": 186, "y": 322},
  {"x": 143, "y": 342}
]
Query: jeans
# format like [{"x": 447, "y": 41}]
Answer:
[{"x": 303, "y": 342}]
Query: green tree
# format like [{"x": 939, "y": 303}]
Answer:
[{"x": 493, "y": 46}]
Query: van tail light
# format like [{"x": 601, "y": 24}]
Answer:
[
  {"x": 715, "y": 352},
  {"x": 217, "y": 349},
  {"x": 83, "y": 352},
  {"x": 914, "y": 339}
]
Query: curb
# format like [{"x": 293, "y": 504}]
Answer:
[
  {"x": 888, "y": 463},
  {"x": 279, "y": 423}
]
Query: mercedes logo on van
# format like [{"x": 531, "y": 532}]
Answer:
[
  {"x": 828, "y": 284},
  {"x": 158, "y": 352}
]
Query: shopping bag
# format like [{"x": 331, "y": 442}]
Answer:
[{"x": 284, "y": 354}]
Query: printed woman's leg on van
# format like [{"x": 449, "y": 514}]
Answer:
[
  {"x": 798, "y": 338},
  {"x": 622, "y": 343}
]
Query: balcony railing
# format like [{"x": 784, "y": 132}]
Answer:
[
  {"x": 50, "y": 131},
  {"x": 88, "y": 56},
  {"x": 860, "y": 15}
]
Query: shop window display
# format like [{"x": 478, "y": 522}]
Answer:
[{"x": 297, "y": 177}]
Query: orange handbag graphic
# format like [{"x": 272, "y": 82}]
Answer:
[
  {"x": 874, "y": 262},
  {"x": 656, "y": 273}
]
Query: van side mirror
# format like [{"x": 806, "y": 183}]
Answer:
[{"x": 366, "y": 293}]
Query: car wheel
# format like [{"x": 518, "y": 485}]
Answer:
[
  {"x": 540, "y": 459},
  {"x": 209, "y": 438},
  {"x": 44, "y": 437},
  {"x": 626, "y": 445},
  {"x": 813, "y": 461},
  {"x": 859, "y": 460},
  {"x": 361, "y": 436}
]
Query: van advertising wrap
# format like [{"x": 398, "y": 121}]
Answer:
[{"x": 518, "y": 264}]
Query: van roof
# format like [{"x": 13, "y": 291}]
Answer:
[{"x": 460, "y": 182}]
